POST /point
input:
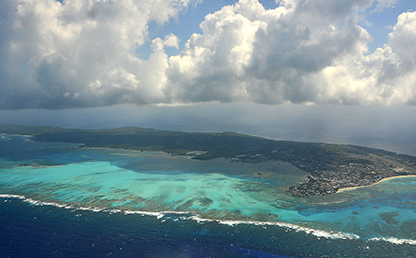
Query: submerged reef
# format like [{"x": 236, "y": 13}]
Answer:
[{"x": 330, "y": 167}]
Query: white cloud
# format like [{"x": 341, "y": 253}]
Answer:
[
  {"x": 83, "y": 53},
  {"x": 403, "y": 39},
  {"x": 387, "y": 76},
  {"x": 52, "y": 51},
  {"x": 210, "y": 66},
  {"x": 385, "y": 4},
  {"x": 252, "y": 54},
  {"x": 302, "y": 52}
]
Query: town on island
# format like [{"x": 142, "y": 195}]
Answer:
[{"x": 330, "y": 168}]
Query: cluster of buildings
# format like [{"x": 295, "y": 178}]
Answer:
[{"x": 362, "y": 170}]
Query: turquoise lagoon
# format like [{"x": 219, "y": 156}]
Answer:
[{"x": 182, "y": 190}]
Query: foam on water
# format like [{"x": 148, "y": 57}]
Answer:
[
  {"x": 13, "y": 196},
  {"x": 225, "y": 196},
  {"x": 166, "y": 215},
  {"x": 133, "y": 183},
  {"x": 190, "y": 216},
  {"x": 311, "y": 231},
  {"x": 394, "y": 240}
]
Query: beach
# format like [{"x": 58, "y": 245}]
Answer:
[
  {"x": 382, "y": 180},
  {"x": 141, "y": 202}
]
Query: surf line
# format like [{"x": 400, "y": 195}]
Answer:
[
  {"x": 361, "y": 186},
  {"x": 166, "y": 215},
  {"x": 183, "y": 215}
]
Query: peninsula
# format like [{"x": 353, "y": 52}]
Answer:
[{"x": 330, "y": 167}]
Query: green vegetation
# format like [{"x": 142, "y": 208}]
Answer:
[{"x": 330, "y": 166}]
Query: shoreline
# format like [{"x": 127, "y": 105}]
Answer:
[
  {"x": 163, "y": 215},
  {"x": 16, "y": 134},
  {"x": 171, "y": 155},
  {"x": 361, "y": 186}
]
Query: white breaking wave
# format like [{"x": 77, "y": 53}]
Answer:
[
  {"x": 393, "y": 240},
  {"x": 12, "y": 196},
  {"x": 315, "y": 232},
  {"x": 165, "y": 214},
  {"x": 5, "y": 138}
]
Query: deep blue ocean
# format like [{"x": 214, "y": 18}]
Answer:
[{"x": 58, "y": 200}]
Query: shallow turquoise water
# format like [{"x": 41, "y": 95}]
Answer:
[
  {"x": 105, "y": 185},
  {"x": 217, "y": 190}
]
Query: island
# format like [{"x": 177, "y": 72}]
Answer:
[{"x": 329, "y": 167}]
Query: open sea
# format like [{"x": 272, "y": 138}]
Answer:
[{"x": 58, "y": 200}]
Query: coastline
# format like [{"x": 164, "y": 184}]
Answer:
[
  {"x": 332, "y": 168},
  {"x": 172, "y": 155},
  {"x": 361, "y": 186},
  {"x": 16, "y": 134}
]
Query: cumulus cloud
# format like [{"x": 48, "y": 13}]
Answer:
[
  {"x": 386, "y": 76},
  {"x": 301, "y": 52},
  {"x": 248, "y": 53},
  {"x": 83, "y": 53},
  {"x": 80, "y": 53}
]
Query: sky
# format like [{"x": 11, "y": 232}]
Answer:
[{"x": 212, "y": 65}]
